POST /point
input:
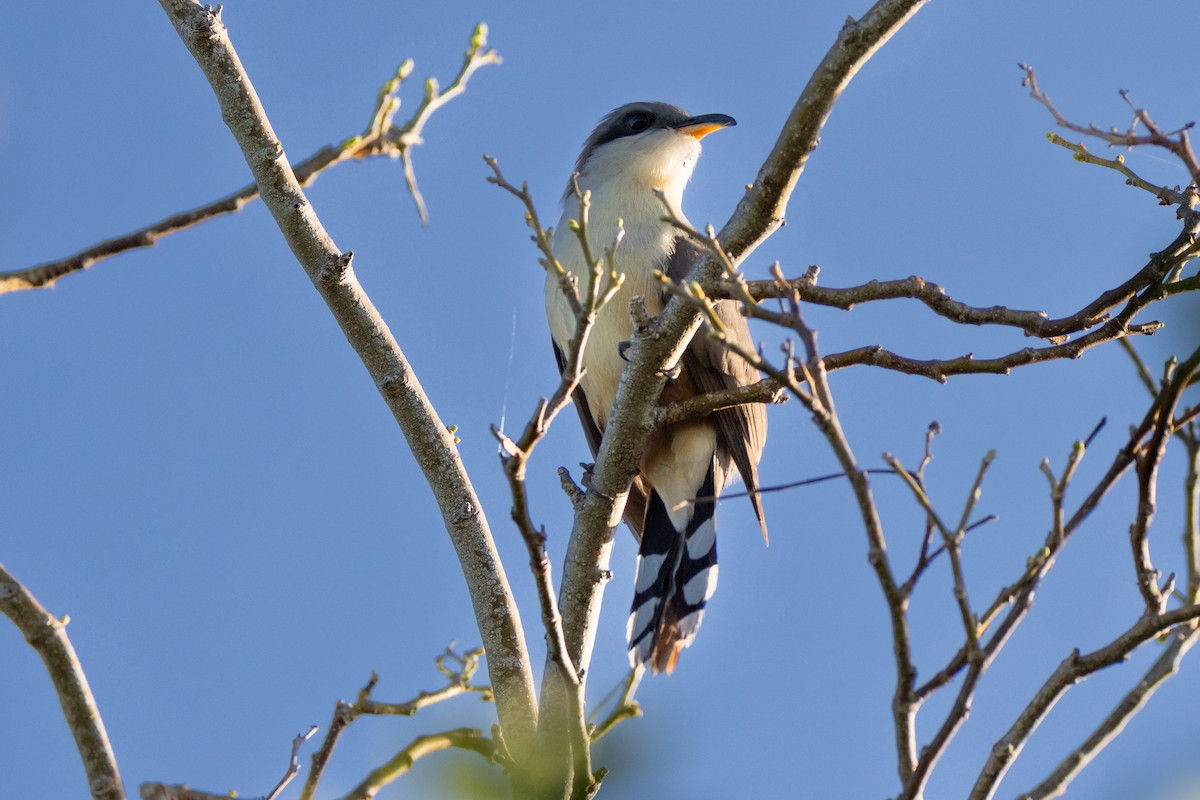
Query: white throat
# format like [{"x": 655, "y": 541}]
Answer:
[
  {"x": 632, "y": 167},
  {"x": 622, "y": 176}
]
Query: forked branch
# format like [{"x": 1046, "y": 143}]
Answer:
[{"x": 382, "y": 137}]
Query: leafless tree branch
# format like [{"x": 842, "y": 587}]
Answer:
[
  {"x": 1073, "y": 668},
  {"x": 1166, "y": 665},
  {"x": 603, "y": 283},
  {"x": 458, "y": 669},
  {"x": 402, "y": 762},
  {"x": 48, "y": 636},
  {"x": 381, "y": 138},
  {"x": 293, "y": 763},
  {"x": 1176, "y": 142},
  {"x": 496, "y": 612}
]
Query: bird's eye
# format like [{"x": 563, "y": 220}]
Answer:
[{"x": 638, "y": 121}]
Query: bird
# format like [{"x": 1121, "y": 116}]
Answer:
[{"x": 638, "y": 157}]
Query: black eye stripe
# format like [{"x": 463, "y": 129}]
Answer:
[{"x": 631, "y": 124}]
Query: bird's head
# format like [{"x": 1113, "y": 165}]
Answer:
[{"x": 651, "y": 145}]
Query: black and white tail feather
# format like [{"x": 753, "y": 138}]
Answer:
[{"x": 676, "y": 576}]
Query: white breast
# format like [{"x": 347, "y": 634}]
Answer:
[{"x": 621, "y": 176}]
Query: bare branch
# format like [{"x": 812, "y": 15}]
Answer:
[
  {"x": 765, "y": 391},
  {"x": 1166, "y": 665},
  {"x": 48, "y": 636},
  {"x": 542, "y": 236},
  {"x": 1153, "y": 622},
  {"x": 496, "y": 612},
  {"x": 179, "y": 791},
  {"x": 1147, "y": 471},
  {"x": 458, "y": 682},
  {"x": 978, "y": 659},
  {"x": 1166, "y": 195},
  {"x": 625, "y": 708},
  {"x": 402, "y": 762},
  {"x": 1175, "y": 141},
  {"x": 1139, "y": 291},
  {"x": 293, "y": 763},
  {"x": 1074, "y": 668},
  {"x": 1191, "y": 518},
  {"x": 603, "y": 282},
  {"x": 1017, "y": 597},
  {"x": 381, "y": 138},
  {"x": 819, "y": 401}
]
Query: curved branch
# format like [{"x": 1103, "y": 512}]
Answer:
[
  {"x": 48, "y": 636},
  {"x": 402, "y": 762},
  {"x": 431, "y": 444}
]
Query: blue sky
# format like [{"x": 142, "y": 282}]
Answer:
[{"x": 198, "y": 471}]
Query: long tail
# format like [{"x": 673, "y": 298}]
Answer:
[{"x": 676, "y": 575}]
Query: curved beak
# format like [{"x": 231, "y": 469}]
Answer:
[{"x": 705, "y": 124}]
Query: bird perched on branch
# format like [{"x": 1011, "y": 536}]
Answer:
[{"x": 636, "y": 150}]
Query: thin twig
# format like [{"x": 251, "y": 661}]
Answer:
[
  {"x": 1175, "y": 141},
  {"x": 625, "y": 708},
  {"x": 458, "y": 681},
  {"x": 1074, "y": 668},
  {"x": 602, "y": 283},
  {"x": 380, "y": 138},
  {"x": 1166, "y": 665},
  {"x": 293, "y": 763},
  {"x": 462, "y": 738}
]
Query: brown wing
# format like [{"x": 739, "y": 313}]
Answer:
[
  {"x": 635, "y": 506},
  {"x": 741, "y": 430}
]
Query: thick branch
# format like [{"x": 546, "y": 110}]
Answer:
[
  {"x": 432, "y": 445},
  {"x": 48, "y": 636}
]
